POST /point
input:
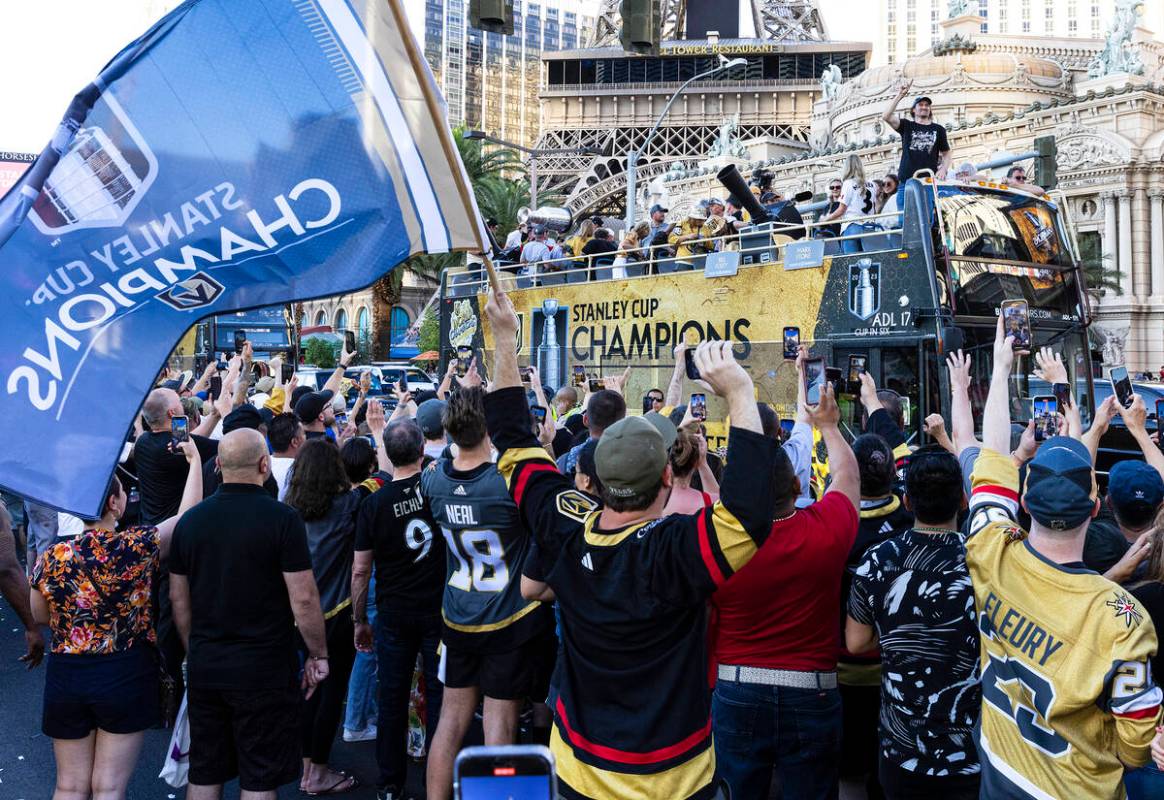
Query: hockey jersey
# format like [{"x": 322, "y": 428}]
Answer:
[{"x": 1067, "y": 690}]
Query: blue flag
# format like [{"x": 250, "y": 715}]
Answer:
[{"x": 241, "y": 153}]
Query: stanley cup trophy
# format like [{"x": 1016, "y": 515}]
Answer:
[{"x": 548, "y": 358}]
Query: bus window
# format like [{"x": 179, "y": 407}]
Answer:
[{"x": 899, "y": 373}]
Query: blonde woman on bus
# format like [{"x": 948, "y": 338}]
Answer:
[{"x": 857, "y": 199}]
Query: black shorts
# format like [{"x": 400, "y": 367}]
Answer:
[
  {"x": 249, "y": 733},
  {"x": 115, "y": 692},
  {"x": 517, "y": 674}
]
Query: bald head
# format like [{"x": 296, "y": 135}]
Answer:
[
  {"x": 566, "y": 398},
  {"x": 243, "y": 457},
  {"x": 159, "y": 405}
]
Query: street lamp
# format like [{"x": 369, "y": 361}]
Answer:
[
  {"x": 632, "y": 158},
  {"x": 534, "y": 153}
]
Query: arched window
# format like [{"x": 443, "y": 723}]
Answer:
[
  {"x": 341, "y": 320},
  {"x": 321, "y": 317},
  {"x": 398, "y": 324},
  {"x": 362, "y": 329}
]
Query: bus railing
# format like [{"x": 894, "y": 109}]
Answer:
[{"x": 879, "y": 232}]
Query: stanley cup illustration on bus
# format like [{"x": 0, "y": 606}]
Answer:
[
  {"x": 548, "y": 357},
  {"x": 864, "y": 288}
]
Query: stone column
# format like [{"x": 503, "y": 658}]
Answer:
[
  {"x": 1110, "y": 234},
  {"x": 1141, "y": 244},
  {"x": 1125, "y": 245},
  {"x": 1156, "y": 203}
]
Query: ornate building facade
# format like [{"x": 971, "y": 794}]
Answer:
[{"x": 995, "y": 94}]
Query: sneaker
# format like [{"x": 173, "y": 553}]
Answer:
[{"x": 368, "y": 734}]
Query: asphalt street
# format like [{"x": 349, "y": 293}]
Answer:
[{"x": 27, "y": 771}]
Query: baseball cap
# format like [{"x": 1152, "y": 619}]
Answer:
[
  {"x": 428, "y": 417},
  {"x": 173, "y": 385},
  {"x": 630, "y": 457},
  {"x": 715, "y": 201},
  {"x": 245, "y": 416},
  {"x": 1135, "y": 489},
  {"x": 311, "y": 405},
  {"x": 299, "y": 393},
  {"x": 658, "y": 207},
  {"x": 1060, "y": 489},
  {"x": 921, "y": 99},
  {"x": 664, "y": 426}
]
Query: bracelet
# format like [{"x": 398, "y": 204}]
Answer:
[{"x": 317, "y": 658}]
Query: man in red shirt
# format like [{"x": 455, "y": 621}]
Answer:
[{"x": 776, "y": 703}]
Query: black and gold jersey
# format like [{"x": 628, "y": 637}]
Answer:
[{"x": 632, "y": 704}]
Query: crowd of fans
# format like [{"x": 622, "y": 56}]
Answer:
[{"x": 968, "y": 619}]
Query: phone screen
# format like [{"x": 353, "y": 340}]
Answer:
[
  {"x": 525, "y": 371},
  {"x": 814, "y": 378},
  {"x": 689, "y": 361},
  {"x": 1121, "y": 384},
  {"x": 491, "y": 773},
  {"x": 833, "y": 376},
  {"x": 1016, "y": 322},
  {"x": 1043, "y": 412},
  {"x": 597, "y": 385},
  {"x": 403, "y": 382},
  {"x": 857, "y": 369},
  {"x": 787, "y": 425},
  {"x": 464, "y": 355},
  {"x": 215, "y": 387},
  {"x": 240, "y": 338},
  {"x": 537, "y": 416},
  {"x": 699, "y": 405},
  {"x": 791, "y": 343},
  {"x": 179, "y": 429},
  {"x": 579, "y": 376},
  {"x": 1062, "y": 392}
]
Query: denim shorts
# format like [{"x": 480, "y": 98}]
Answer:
[{"x": 114, "y": 692}]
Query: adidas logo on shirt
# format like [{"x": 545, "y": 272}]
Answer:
[
  {"x": 588, "y": 562},
  {"x": 460, "y": 490}
]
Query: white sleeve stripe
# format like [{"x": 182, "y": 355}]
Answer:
[{"x": 1148, "y": 699}]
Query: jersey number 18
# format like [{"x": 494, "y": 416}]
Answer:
[{"x": 482, "y": 549}]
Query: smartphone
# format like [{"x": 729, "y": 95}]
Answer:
[
  {"x": 1016, "y": 322},
  {"x": 791, "y": 343},
  {"x": 222, "y": 366},
  {"x": 525, "y": 371},
  {"x": 240, "y": 338},
  {"x": 510, "y": 772},
  {"x": 579, "y": 375},
  {"x": 906, "y": 411},
  {"x": 1121, "y": 384},
  {"x": 698, "y": 405},
  {"x": 833, "y": 376},
  {"x": 403, "y": 382},
  {"x": 857, "y": 366},
  {"x": 814, "y": 378},
  {"x": 341, "y": 420},
  {"x": 215, "y": 387},
  {"x": 179, "y": 429},
  {"x": 1160, "y": 424},
  {"x": 464, "y": 356},
  {"x": 1062, "y": 392},
  {"x": 787, "y": 425},
  {"x": 597, "y": 384},
  {"x": 689, "y": 361},
  {"x": 1043, "y": 412},
  {"x": 538, "y": 416}
]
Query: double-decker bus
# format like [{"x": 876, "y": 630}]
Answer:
[{"x": 903, "y": 292}]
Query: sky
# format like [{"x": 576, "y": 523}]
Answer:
[{"x": 61, "y": 51}]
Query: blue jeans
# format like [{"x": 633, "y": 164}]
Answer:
[
  {"x": 1144, "y": 783},
  {"x": 362, "y": 686},
  {"x": 796, "y": 732},
  {"x": 399, "y": 637},
  {"x": 852, "y": 245}
]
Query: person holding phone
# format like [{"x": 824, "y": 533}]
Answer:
[
  {"x": 101, "y": 681},
  {"x": 687, "y": 450},
  {"x": 632, "y": 584}
]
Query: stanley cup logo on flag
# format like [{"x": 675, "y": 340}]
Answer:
[{"x": 241, "y": 153}]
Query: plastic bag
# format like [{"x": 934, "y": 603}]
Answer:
[{"x": 176, "y": 769}]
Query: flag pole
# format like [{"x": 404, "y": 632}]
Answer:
[{"x": 494, "y": 281}]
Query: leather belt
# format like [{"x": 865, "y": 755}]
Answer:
[{"x": 793, "y": 679}]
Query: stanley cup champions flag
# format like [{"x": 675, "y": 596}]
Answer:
[{"x": 241, "y": 153}]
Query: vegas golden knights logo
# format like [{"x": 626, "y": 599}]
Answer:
[{"x": 575, "y": 505}]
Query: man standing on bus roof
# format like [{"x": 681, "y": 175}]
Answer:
[{"x": 924, "y": 144}]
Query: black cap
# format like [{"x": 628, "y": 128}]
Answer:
[
  {"x": 311, "y": 405},
  {"x": 298, "y": 394},
  {"x": 922, "y": 99},
  {"x": 245, "y": 416}
]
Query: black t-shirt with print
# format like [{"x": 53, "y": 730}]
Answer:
[{"x": 921, "y": 147}]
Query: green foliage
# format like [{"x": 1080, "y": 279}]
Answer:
[
  {"x": 430, "y": 332},
  {"x": 1098, "y": 271},
  {"x": 321, "y": 353}
]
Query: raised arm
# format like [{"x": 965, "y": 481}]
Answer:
[
  {"x": 191, "y": 495},
  {"x": 204, "y": 381},
  {"x": 336, "y": 377},
  {"x": 890, "y": 112},
  {"x": 377, "y": 424},
  {"x": 1099, "y": 425},
  {"x": 674, "y": 394},
  {"x": 996, "y": 415},
  {"x": 1135, "y": 418},
  {"x": 244, "y": 375},
  {"x": 961, "y": 413},
  {"x": 442, "y": 391},
  {"x": 935, "y": 428},
  {"x": 846, "y": 476}
]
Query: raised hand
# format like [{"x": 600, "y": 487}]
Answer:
[
  {"x": 1049, "y": 366},
  {"x": 959, "y": 366}
]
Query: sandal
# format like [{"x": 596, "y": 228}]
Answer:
[{"x": 350, "y": 780}]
